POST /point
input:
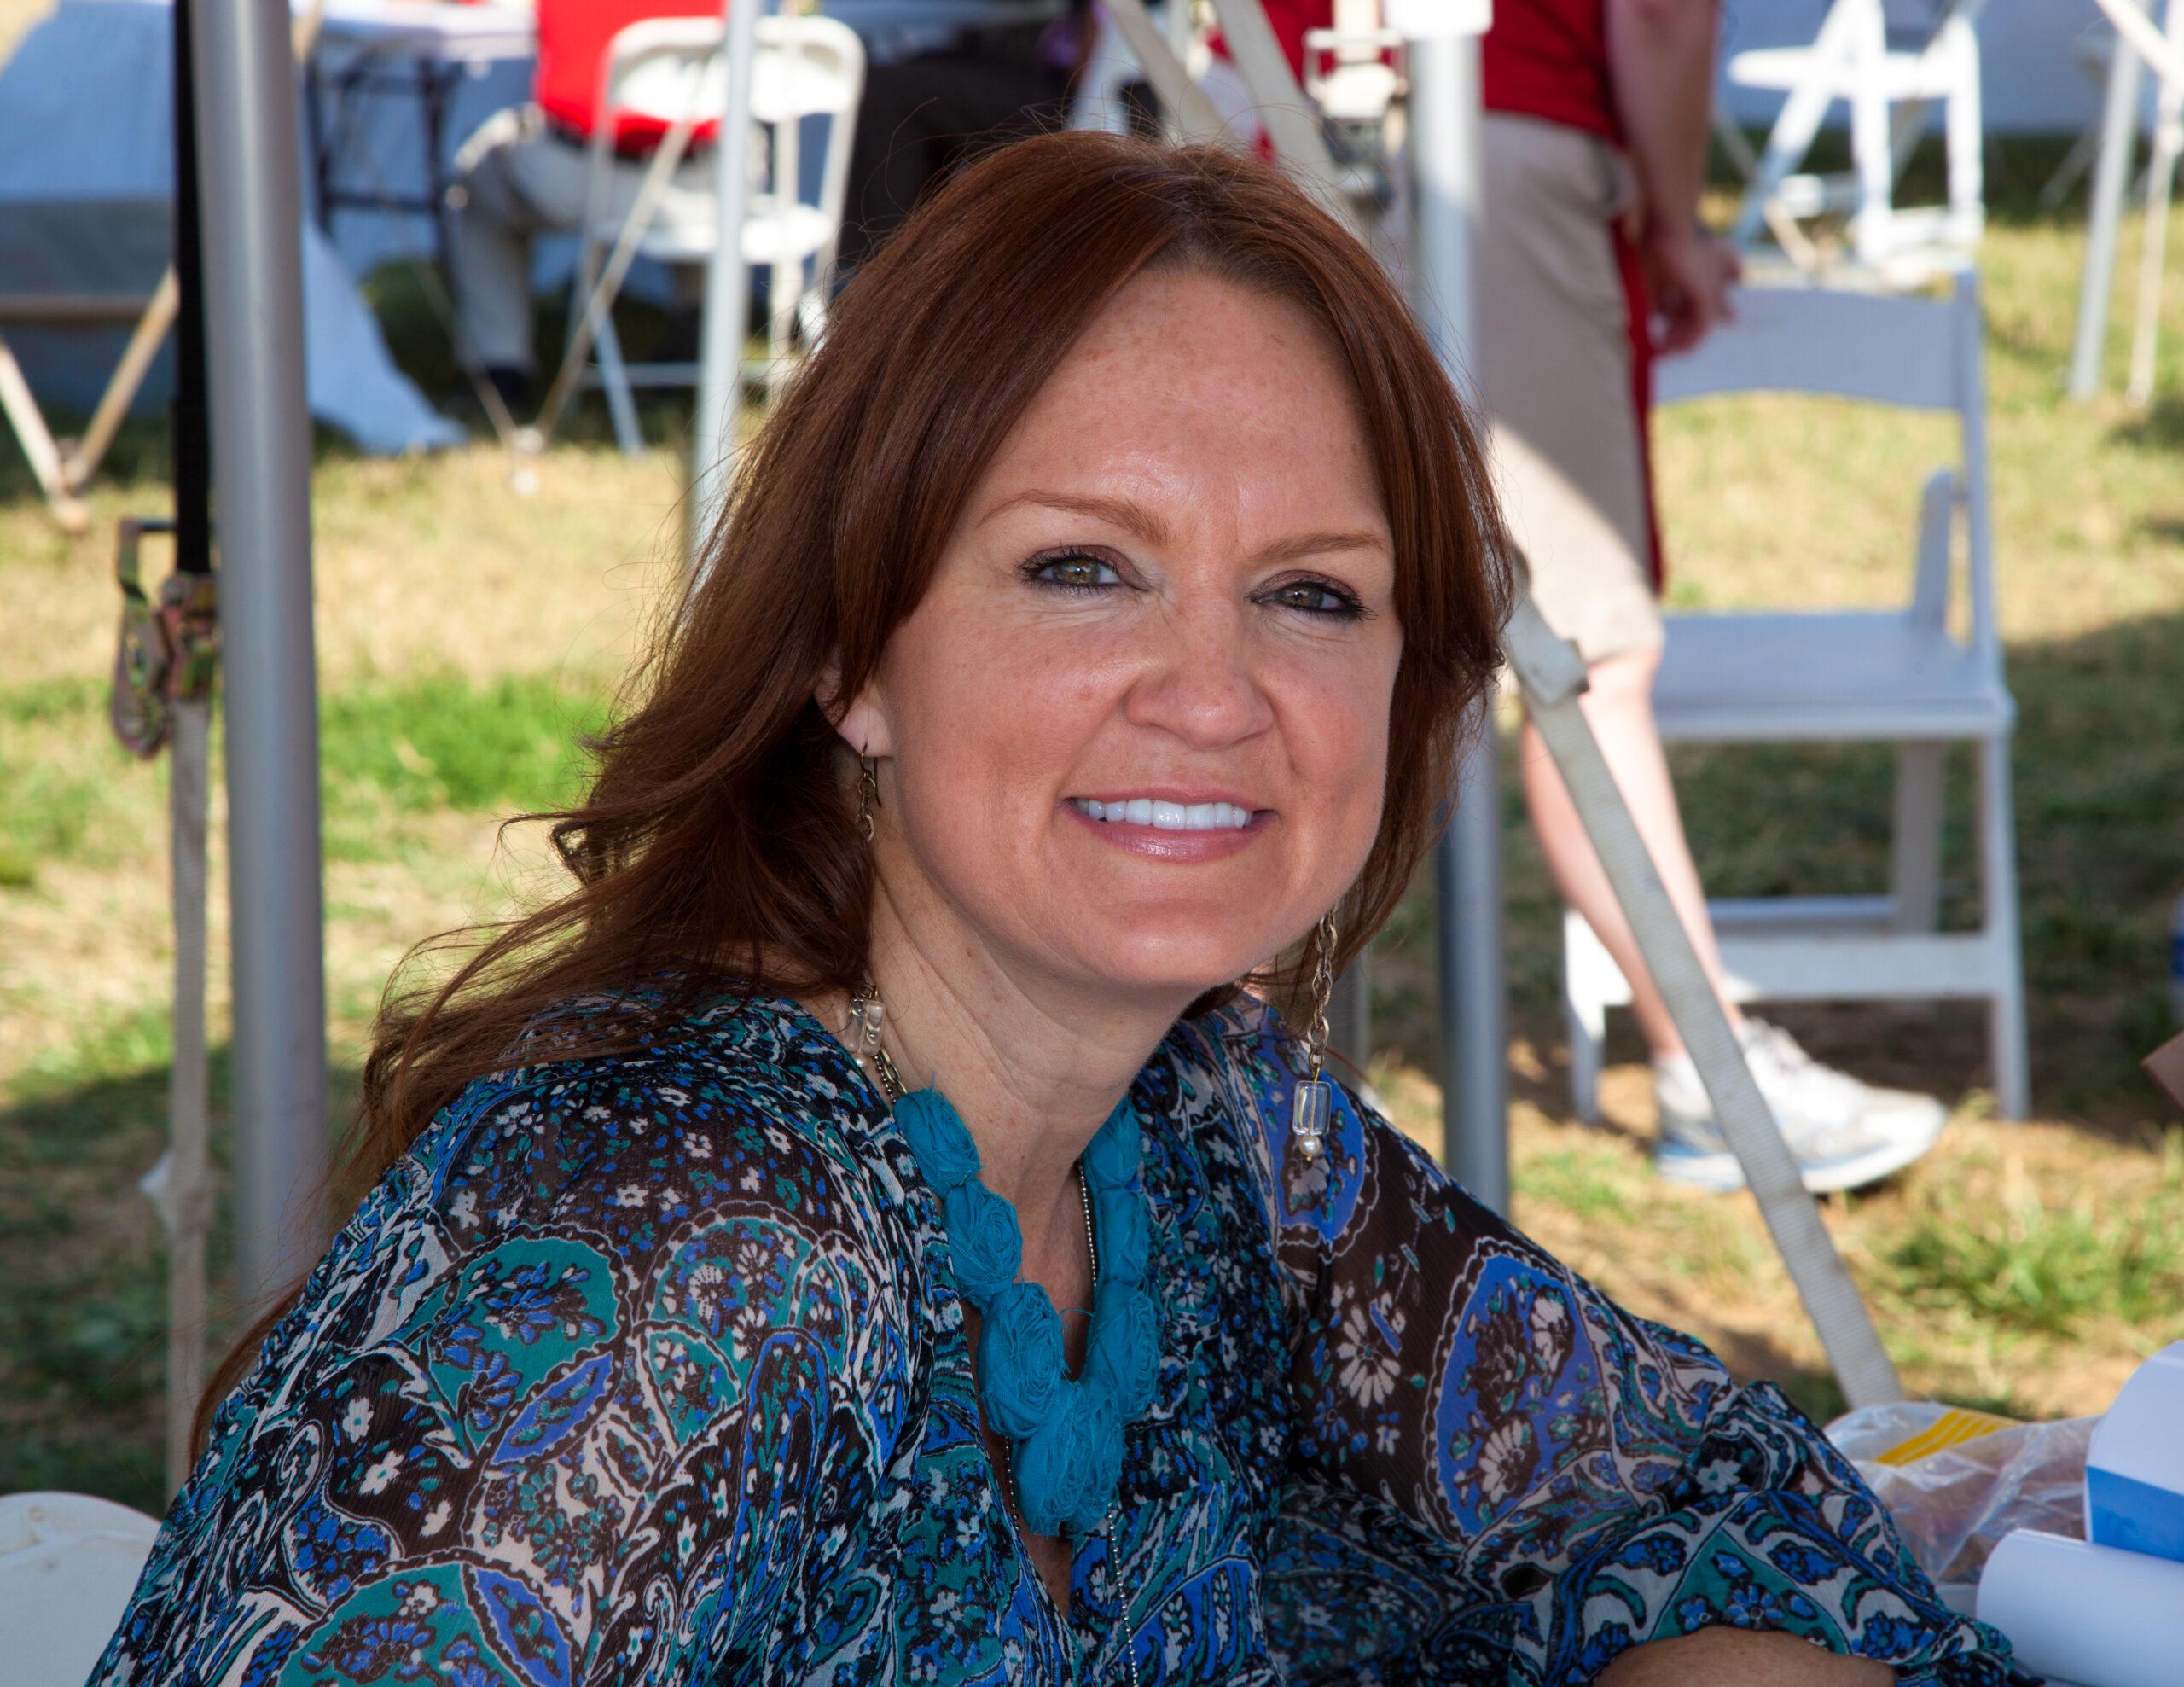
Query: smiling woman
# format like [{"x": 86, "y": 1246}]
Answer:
[{"x": 1083, "y": 652}]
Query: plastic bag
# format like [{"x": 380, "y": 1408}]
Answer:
[{"x": 1957, "y": 1482}]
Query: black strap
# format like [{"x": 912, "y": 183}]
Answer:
[{"x": 191, "y": 409}]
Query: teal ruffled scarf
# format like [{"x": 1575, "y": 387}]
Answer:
[{"x": 1065, "y": 1432}]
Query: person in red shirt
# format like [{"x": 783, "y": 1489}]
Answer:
[
  {"x": 1591, "y": 263},
  {"x": 524, "y": 171}
]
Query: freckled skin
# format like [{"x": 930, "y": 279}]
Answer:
[{"x": 1226, "y": 420}]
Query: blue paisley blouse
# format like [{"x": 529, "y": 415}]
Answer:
[{"x": 649, "y": 1368}]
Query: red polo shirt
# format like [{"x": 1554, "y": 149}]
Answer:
[
  {"x": 1548, "y": 59},
  {"x": 573, "y": 35}
]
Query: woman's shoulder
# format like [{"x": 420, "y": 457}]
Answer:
[
  {"x": 713, "y": 1170},
  {"x": 737, "y": 1128},
  {"x": 593, "y": 1286},
  {"x": 734, "y": 1113}
]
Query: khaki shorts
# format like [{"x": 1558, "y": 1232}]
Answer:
[{"x": 1553, "y": 364}]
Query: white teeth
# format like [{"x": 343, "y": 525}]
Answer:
[{"x": 1168, "y": 817}]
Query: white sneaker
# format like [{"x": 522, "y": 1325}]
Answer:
[{"x": 1844, "y": 1133}]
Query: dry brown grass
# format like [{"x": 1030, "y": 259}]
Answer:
[{"x": 418, "y": 563}]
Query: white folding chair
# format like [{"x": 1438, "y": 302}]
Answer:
[
  {"x": 1888, "y": 86},
  {"x": 68, "y": 1563},
  {"x": 673, "y": 70},
  {"x": 1902, "y": 676}
]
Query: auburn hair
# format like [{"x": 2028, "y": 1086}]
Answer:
[{"x": 718, "y": 837}]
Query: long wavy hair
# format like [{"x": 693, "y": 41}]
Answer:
[{"x": 718, "y": 837}]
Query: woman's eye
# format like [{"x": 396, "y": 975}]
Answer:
[
  {"x": 1075, "y": 571},
  {"x": 1314, "y": 598}
]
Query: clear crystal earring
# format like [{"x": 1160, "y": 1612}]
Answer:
[
  {"x": 868, "y": 1015},
  {"x": 1314, "y": 1096}
]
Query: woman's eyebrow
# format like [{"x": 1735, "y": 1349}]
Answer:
[
  {"x": 1135, "y": 518},
  {"x": 1297, "y": 546},
  {"x": 1120, "y": 512}
]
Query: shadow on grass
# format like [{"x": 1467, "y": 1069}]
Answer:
[
  {"x": 2160, "y": 426},
  {"x": 83, "y": 1322}
]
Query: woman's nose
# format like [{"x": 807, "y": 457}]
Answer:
[{"x": 1201, "y": 684}]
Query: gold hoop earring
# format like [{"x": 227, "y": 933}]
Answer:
[
  {"x": 868, "y": 794},
  {"x": 1312, "y": 1101}
]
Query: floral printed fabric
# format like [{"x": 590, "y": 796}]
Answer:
[{"x": 651, "y": 1369}]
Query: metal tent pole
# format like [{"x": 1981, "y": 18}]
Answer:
[
  {"x": 2119, "y": 131},
  {"x": 252, "y": 213},
  {"x": 1444, "y": 105},
  {"x": 728, "y": 292}
]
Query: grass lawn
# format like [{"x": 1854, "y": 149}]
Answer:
[{"x": 467, "y": 634}]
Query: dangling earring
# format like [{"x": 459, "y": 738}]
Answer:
[
  {"x": 868, "y": 794},
  {"x": 1314, "y": 1097},
  {"x": 868, "y": 1015}
]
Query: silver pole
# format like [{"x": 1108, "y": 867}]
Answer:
[
  {"x": 1474, "y": 988},
  {"x": 1444, "y": 104},
  {"x": 2119, "y": 133},
  {"x": 261, "y": 458},
  {"x": 728, "y": 292}
]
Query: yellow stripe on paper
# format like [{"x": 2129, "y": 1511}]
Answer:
[{"x": 1952, "y": 1428}]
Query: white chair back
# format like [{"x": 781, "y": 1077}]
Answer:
[
  {"x": 666, "y": 69},
  {"x": 68, "y": 1563},
  {"x": 675, "y": 71},
  {"x": 1909, "y": 353},
  {"x": 809, "y": 67},
  {"x": 1876, "y": 347}
]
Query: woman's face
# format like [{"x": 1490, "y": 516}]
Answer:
[{"x": 1136, "y": 731}]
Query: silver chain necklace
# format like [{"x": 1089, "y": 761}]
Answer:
[{"x": 866, "y": 1018}]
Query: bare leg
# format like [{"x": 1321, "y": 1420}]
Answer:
[{"x": 1619, "y": 708}]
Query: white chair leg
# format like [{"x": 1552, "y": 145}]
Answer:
[
  {"x": 1798, "y": 124},
  {"x": 614, "y": 380},
  {"x": 1968, "y": 200},
  {"x": 1584, "y": 1014},
  {"x": 784, "y": 281},
  {"x": 24, "y": 415},
  {"x": 2006, "y": 1037},
  {"x": 1872, "y": 153},
  {"x": 1915, "y": 866}
]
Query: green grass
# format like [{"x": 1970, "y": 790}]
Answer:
[
  {"x": 389, "y": 748},
  {"x": 420, "y": 747},
  {"x": 2051, "y": 1265}
]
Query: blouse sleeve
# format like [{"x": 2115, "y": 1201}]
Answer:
[
  {"x": 1498, "y": 1467},
  {"x": 580, "y": 1397}
]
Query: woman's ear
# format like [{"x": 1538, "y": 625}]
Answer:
[{"x": 862, "y": 720}]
